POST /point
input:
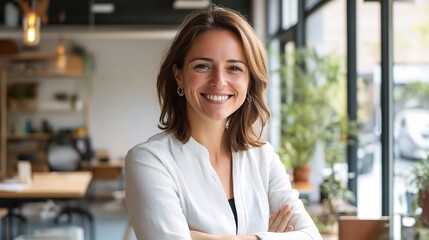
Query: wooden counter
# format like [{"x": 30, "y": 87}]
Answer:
[{"x": 53, "y": 185}]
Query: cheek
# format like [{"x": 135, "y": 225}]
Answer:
[
  {"x": 243, "y": 85},
  {"x": 194, "y": 79}
]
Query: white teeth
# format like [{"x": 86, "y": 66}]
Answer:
[{"x": 216, "y": 98}]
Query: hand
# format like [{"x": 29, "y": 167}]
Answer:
[{"x": 279, "y": 220}]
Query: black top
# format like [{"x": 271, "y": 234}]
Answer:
[{"x": 234, "y": 211}]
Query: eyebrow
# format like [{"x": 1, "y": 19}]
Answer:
[{"x": 211, "y": 60}]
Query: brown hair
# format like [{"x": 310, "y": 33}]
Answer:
[{"x": 240, "y": 133}]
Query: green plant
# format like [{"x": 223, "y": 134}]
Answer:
[
  {"x": 311, "y": 86},
  {"x": 420, "y": 180},
  {"x": 326, "y": 223},
  {"x": 333, "y": 190},
  {"x": 420, "y": 174},
  {"x": 22, "y": 91},
  {"x": 87, "y": 57}
]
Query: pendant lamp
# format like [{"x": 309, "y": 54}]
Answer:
[{"x": 31, "y": 27}]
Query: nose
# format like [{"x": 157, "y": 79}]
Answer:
[{"x": 218, "y": 79}]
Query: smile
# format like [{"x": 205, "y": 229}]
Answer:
[{"x": 216, "y": 97}]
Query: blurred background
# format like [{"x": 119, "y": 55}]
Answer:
[{"x": 348, "y": 92}]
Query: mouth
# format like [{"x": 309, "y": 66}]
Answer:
[{"x": 217, "y": 98}]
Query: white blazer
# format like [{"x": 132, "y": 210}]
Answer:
[{"x": 172, "y": 188}]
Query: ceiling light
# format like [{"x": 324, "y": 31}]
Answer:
[
  {"x": 31, "y": 27},
  {"x": 103, "y": 8},
  {"x": 190, "y": 4}
]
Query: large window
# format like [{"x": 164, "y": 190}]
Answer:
[
  {"x": 411, "y": 104},
  {"x": 326, "y": 31}
]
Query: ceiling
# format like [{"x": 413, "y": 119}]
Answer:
[{"x": 126, "y": 12}]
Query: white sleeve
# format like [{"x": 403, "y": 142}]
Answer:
[
  {"x": 280, "y": 192},
  {"x": 152, "y": 198}
]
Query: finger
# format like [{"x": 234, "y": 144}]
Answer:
[
  {"x": 273, "y": 217},
  {"x": 277, "y": 217},
  {"x": 286, "y": 216},
  {"x": 277, "y": 220},
  {"x": 289, "y": 228},
  {"x": 281, "y": 221}
]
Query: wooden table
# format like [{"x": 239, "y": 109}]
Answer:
[
  {"x": 52, "y": 185},
  {"x": 105, "y": 170}
]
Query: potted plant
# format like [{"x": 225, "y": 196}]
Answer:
[
  {"x": 420, "y": 180},
  {"x": 310, "y": 83},
  {"x": 334, "y": 192},
  {"x": 22, "y": 96}
]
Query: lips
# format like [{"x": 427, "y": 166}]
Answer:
[{"x": 216, "y": 97}]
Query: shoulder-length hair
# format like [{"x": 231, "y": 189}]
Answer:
[{"x": 242, "y": 132}]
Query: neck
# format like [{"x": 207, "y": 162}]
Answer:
[
  {"x": 208, "y": 132},
  {"x": 211, "y": 134}
]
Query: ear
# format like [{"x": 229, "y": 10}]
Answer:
[{"x": 178, "y": 75}]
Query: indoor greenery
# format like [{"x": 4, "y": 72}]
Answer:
[
  {"x": 332, "y": 188},
  {"x": 313, "y": 88},
  {"x": 420, "y": 174},
  {"x": 334, "y": 191},
  {"x": 314, "y": 112},
  {"x": 420, "y": 180}
]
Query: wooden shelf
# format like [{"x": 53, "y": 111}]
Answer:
[
  {"x": 28, "y": 57},
  {"x": 32, "y": 137},
  {"x": 31, "y": 74},
  {"x": 38, "y": 137},
  {"x": 44, "y": 111},
  {"x": 64, "y": 75},
  {"x": 42, "y": 65}
]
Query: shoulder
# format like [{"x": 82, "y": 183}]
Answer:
[
  {"x": 158, "y": 146},
  {"x": 262, "y": 157},
  {"x": 265, "y": 151}
]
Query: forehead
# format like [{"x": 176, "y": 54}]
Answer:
[{"x": 217, "y": 43}]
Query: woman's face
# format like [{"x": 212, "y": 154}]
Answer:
[{"x": 214, "y": 77}]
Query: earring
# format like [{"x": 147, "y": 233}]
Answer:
[
  {"x": 180, "y": 91},
  {"x": 249, "y": 98}
]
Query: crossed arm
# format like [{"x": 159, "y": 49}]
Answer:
[{"x": 279, "y": 222}]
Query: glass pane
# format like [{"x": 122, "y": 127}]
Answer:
[
  {"x": 411, "y": 110},
  {"x": 326, "y": 29},
  {"x": 326, "y": 32},
  {"x": 368, "y": 83},
  {"x": 273, "y": 18},
  {"x": 289, "y": 13}
]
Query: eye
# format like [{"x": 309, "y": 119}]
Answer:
[
  {"x": 235, "y": 69},
  {"x": 202, "y": 66}
]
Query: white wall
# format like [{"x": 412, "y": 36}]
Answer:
[{"x": 123, "y": 107}]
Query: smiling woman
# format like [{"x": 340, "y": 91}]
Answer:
[{"x": 209, "y": 174}]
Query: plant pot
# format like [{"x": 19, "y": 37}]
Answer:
[
  {"x": 424, "y": 204},
  {"x": 327, "y": 224},
  {"x": 301, "y": 173}
]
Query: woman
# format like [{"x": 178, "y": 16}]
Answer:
[{"x": 209, "y": 175}]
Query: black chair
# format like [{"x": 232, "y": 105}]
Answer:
[{"x": 66, "y": 152}]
